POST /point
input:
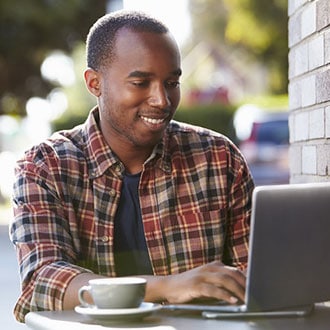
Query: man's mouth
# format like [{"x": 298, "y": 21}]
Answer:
[{"x": 152, "y": 121}]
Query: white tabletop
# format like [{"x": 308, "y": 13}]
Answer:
[{"x": 170, "y": 320}]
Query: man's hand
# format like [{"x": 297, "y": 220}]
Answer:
[{"x": 213, "y": 280}]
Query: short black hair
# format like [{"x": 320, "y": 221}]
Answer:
[{"x": 102, "y": 35}]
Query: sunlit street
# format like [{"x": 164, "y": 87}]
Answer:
[{"x": 8, "y": 277}]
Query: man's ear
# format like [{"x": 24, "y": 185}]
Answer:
[{"x": 92, "y": 80}]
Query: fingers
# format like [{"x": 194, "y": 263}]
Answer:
[
  {"x": 213, "y": 280},
  {"x": 227, "y": 284},
  {"x": 220, "y": 293},
  {"x": 217, "y": 273}
]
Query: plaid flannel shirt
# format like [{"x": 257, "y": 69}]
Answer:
[{"x": 195, "y": 195}]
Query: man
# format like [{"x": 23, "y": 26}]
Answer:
[{"x": 131, "y": 192}]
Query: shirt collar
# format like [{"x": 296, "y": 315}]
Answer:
[
  {"x": 101, "y": 157},
  {"x": 99, "y": 154}
]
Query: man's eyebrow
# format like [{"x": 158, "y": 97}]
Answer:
[
  {"x": 145, "y": 74},
  {"x": 139, "y": 74}
]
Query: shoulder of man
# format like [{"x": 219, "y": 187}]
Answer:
[
  {"x": 194, "y": 131},
  {"x": 60, "y": 145}
]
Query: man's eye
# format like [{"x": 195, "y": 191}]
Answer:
[
  {"x": 173, "y": 84},
  {"x": 140, "y": 83}
]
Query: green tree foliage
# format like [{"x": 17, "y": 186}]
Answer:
[
  {"x": 80, "y": 101},
  {"x": 29, "y": 30},
  {"x": 217, "y": 117},
  {"x": 258, "y": 27}
]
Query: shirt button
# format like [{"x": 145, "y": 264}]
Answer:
[
  {"x": 118, "y": 169},
  {"x": 104, "y": 239},
  {"x": 112, "y": 192}
]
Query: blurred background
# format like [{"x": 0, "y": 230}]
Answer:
[{"x": 235, "y": 80}]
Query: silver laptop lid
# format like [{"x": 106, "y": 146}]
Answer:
[{"x": 289, "y": 257}]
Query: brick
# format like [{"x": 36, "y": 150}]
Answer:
[
  {"x": 323, "y": 86},
  {"x": 309, "y": 160},
  {"x": 322, "y": 14},
  {"x": 295, "y": 159},
  {"x": 316, "y": 124},
  {"x": 327, "y": 46},
  {"x": 305, "y": 179},
  {"x": 301, "y": 59},
  {"x": 301, "y": 124},
  {"x": 308, "y": 93},
  {"x": 308, "y": 20},
  {"x": 300, "y": 3},
  {"x": 294, "y": 29},
  {"x": 291, "y": 57},
  {"x": 316, "y": 52},
  {"x": 294, "y": 95},
  {"x": 327, "y": 122},
  {"x": 323, "y": 159},
  {"x": 291, "y": 7}
]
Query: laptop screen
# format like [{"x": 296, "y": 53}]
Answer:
[{"x": 289, "y": 253}]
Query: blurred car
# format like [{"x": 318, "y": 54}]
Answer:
[{"x": 266, "y": 148}]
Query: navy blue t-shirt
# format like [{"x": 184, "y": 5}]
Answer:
[{"x": 131, "y": 254}]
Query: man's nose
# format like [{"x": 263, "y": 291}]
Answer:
[{"x": 159, "y": 97}]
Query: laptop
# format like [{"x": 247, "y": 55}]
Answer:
[{"x": 289, "y": 255}]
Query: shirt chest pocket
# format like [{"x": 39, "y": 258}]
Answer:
[{"x": 193, "y": 239}]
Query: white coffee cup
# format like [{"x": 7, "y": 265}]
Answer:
[{"x": 116, "y": 292}]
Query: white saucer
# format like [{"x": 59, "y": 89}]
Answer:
[{"x": 119, "y": 313}]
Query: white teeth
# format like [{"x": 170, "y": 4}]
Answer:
[{"x": 152, "y": 121}]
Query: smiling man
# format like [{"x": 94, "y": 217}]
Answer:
[
  {"x": 137, "y": 94},
  {"x": 131, "y": 191}
]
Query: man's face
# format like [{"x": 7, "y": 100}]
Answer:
[{"x": 139, "y": 89}]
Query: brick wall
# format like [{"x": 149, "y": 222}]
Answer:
[{"x": 309, "y": 90}]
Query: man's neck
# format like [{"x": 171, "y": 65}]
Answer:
[{"x": 132, "y": 157}]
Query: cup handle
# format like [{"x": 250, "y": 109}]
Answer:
[{"x": 82, "y": 290}]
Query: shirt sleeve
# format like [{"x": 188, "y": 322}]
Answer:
[
  {"x": 41, "y": 234},
  {"x": 239, "y": 210}
]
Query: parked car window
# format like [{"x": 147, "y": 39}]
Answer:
[
  {"x": 275, "y": 132},
  {"x": 266, "y": 148}
]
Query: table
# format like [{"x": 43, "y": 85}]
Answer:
[{"x": 177, "y": 320}]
